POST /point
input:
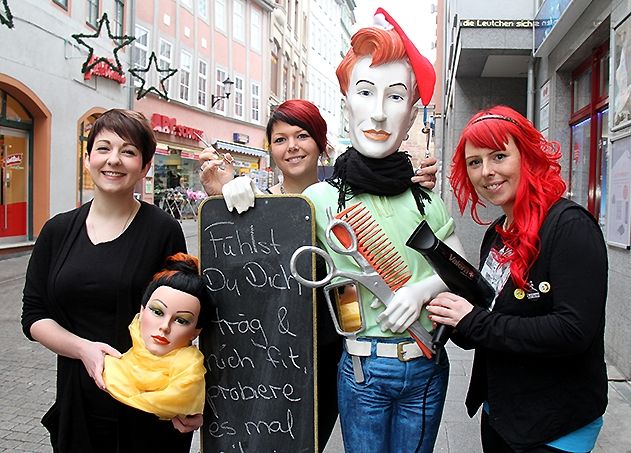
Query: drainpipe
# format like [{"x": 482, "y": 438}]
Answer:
[
  {"x": 132, "y": 31},
  {"x": 530, "y": 96}
]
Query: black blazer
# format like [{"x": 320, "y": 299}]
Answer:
[{"x": 539, "y": 359}]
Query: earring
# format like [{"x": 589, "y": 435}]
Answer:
[{"x": 407, "y": 136}]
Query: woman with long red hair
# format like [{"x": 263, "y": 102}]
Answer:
[{"x": 539, "y": 369}]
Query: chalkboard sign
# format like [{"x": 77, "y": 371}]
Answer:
[{"x": 259, "y": 348}]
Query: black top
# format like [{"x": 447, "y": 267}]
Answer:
[
  {"x": 94, "y": 291},
  {"x": 539, "y": 359}
]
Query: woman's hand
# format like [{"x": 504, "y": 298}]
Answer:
[
  {"x": 215, "y": 171},
  {"x": 425, "y": 175},
  {"x": 92, "y": 354},
  {"x": 448, "y": 309},
  {"x": 188, "y": 423}
]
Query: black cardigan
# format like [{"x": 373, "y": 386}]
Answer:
[
  {"x": 539, "y": 359},
  {"x": 150, "y": 238}
]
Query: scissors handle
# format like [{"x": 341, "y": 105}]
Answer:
[
  {"x": 309, "y": 249},
  {"x": 347, "y": 237}
]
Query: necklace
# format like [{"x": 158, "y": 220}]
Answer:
[
  {"x": 282, "y": 189},
  {"x": 131, "y": 214}
]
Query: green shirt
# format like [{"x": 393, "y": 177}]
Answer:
[{"x": 397, "y": 216}]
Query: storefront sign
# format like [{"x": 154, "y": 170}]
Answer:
[
  {"x": 14, "y": 160},
  {"x": 103, "y": 69},
  {"x": 168, "y": 125},
  {"x": 496, "y": 23},
  {"x": 240, "y": 138}
]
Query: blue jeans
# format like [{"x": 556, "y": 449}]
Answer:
[{"x": 384, "y": 414}]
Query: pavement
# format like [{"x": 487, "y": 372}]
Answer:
[{"x": 27, "y": 384}]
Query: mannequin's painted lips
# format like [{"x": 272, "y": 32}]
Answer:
[
  {"x": 380, "y": 135},
  {"x": 160, "y": 340}
]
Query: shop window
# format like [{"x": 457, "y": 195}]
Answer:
[
  {"x": 582, "y": 91},
  {"x": 14, "y": 111},
  {"x": 85, "y": 186},
  {"x": 589, "y": 132}
]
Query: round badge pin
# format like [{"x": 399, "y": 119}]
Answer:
[
  {"x": 544, "y": 287},
  {"x": 519, "y": 293}
]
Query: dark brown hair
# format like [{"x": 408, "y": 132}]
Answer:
[{"x": 131, "y": 126}]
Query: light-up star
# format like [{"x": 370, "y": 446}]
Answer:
[
  {"x": 161, "y": 91},
  {"x": 121, "y": 40}
]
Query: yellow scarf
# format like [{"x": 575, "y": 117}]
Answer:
[{"x": 167, "y": 386}]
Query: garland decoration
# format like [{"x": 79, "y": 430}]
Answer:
[
  {"x": 161, "y": 90},
  {"x": 122, "y": 41},
  {"x": 7, "y": 18}
]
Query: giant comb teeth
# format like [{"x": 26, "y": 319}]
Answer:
[{"x": 373, "y": 245}]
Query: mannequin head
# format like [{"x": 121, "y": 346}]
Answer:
[
  {"x": 175, "y": 306},
  {"x": 382, "y": 76}
]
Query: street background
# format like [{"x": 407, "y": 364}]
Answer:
[{"x": 27, "y": 384}]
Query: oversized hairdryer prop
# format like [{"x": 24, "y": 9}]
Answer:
[{"x": 458, "y": 274}]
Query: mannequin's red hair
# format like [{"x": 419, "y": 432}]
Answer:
[{"x": 540, "y": 184}]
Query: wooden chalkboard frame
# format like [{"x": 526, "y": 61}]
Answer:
[{"x": 218, "y": 232}]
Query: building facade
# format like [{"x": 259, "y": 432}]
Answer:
[
  {"x": 49, "y": 91},
  {"x": 562, "y": 64}
]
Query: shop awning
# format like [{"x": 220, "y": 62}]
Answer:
[
  {"x": 184, "y": 151},
  {"x": 221, "y": 145}
]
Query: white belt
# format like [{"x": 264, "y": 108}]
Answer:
[{"x": 404, "y": 350}]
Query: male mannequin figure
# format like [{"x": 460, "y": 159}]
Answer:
[{"x": 398, "y": 405}]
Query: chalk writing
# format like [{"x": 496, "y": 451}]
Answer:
[{"x": 258, "y": 346}]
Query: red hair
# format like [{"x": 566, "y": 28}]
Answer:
[
  {"x": 384, "y": 46},
  {"x": 540, "y": 184},
  {"x": 301, "y": 113}
]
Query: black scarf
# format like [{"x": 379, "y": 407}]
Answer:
[{"x": 355, "y": 173}]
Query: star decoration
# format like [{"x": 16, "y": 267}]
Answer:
[
  {"x": 121, "y": 40},
  {"x": 7, "y": 19},
  {"x": 161, "y": 90}
]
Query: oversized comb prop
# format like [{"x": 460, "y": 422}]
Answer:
[
  {"x": 354, "y": 227},
  {"x": 373, "y": 245}
]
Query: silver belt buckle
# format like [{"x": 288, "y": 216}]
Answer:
[{"x": 401, "y": 352}]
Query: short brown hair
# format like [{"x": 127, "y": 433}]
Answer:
[{"x": 130, "y": 126}]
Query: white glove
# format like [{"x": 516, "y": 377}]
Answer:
[
  {"x": 239, "y": 193},
  {"x": 406, "y": 306}
]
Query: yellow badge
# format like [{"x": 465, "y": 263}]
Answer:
[
  {"x": 519, "y": 293},
  {"x": 544, "y": 287}
]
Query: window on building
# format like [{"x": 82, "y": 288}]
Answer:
[
  {"x": 274, "y": 68},
  {"x": 255, "y": 30},
  {"x": 255, "y": 103},
  {"x": 220, "y": 15},
  {"x": 165, "y": 60},
  {"x": 62, "y": 3},
  {"x": 202, "y": 8},
  {"x": 238, "y": 20},
  {"x": 220, "y": 76},
  {"x": 119, "y": 17},
  {"x": 286, "y": 78},
  {"x": 202, "y": 83},
  {"x": 589, "y": 132},
  {"x": 185, "y": 75},
  {"x": 140, "y": 52},
  {"x": 296, "y": 19},
  {"x": 188, "y": 3},
  {"x": 238, "y": 97},
  {"x": 92, "y": 12}
]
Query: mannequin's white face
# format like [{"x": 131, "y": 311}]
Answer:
[{"x": 380, "y": 106}]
